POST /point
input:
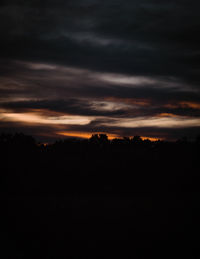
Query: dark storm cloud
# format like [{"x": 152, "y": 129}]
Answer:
[
  {"x": 38, "y": 80},
  {"x": 91, "y": 108},
  {"x": 70, "y": 106},
  {"x": 136, "y": 37},
  {"x": 73, "y": 56}
]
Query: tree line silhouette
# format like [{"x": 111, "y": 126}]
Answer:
[
  {"x": 31, "y": 166},
  {"x": 98, "y": 198}
]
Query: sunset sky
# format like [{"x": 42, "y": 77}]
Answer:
[{"x": 124, "y": 68}]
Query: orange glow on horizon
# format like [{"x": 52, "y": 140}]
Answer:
[
  {"x": 85, "y": 135},
  {"x": 151, "y": 138}
]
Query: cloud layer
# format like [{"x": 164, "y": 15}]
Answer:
[{"x": 122, "y": 68}]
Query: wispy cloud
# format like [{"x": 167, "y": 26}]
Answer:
[{"x": 104, "y": 66}]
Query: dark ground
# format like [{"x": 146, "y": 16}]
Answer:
[{"x": 99, "y": 199}]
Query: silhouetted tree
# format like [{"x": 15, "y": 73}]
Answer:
[
  {"x": 137, "y": 140},
  {"x": 99, "y": 139}
]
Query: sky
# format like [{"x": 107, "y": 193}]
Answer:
[{"x": 123, "y": 68}]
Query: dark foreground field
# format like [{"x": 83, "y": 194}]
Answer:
[{"x": 99, "y": 199}]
